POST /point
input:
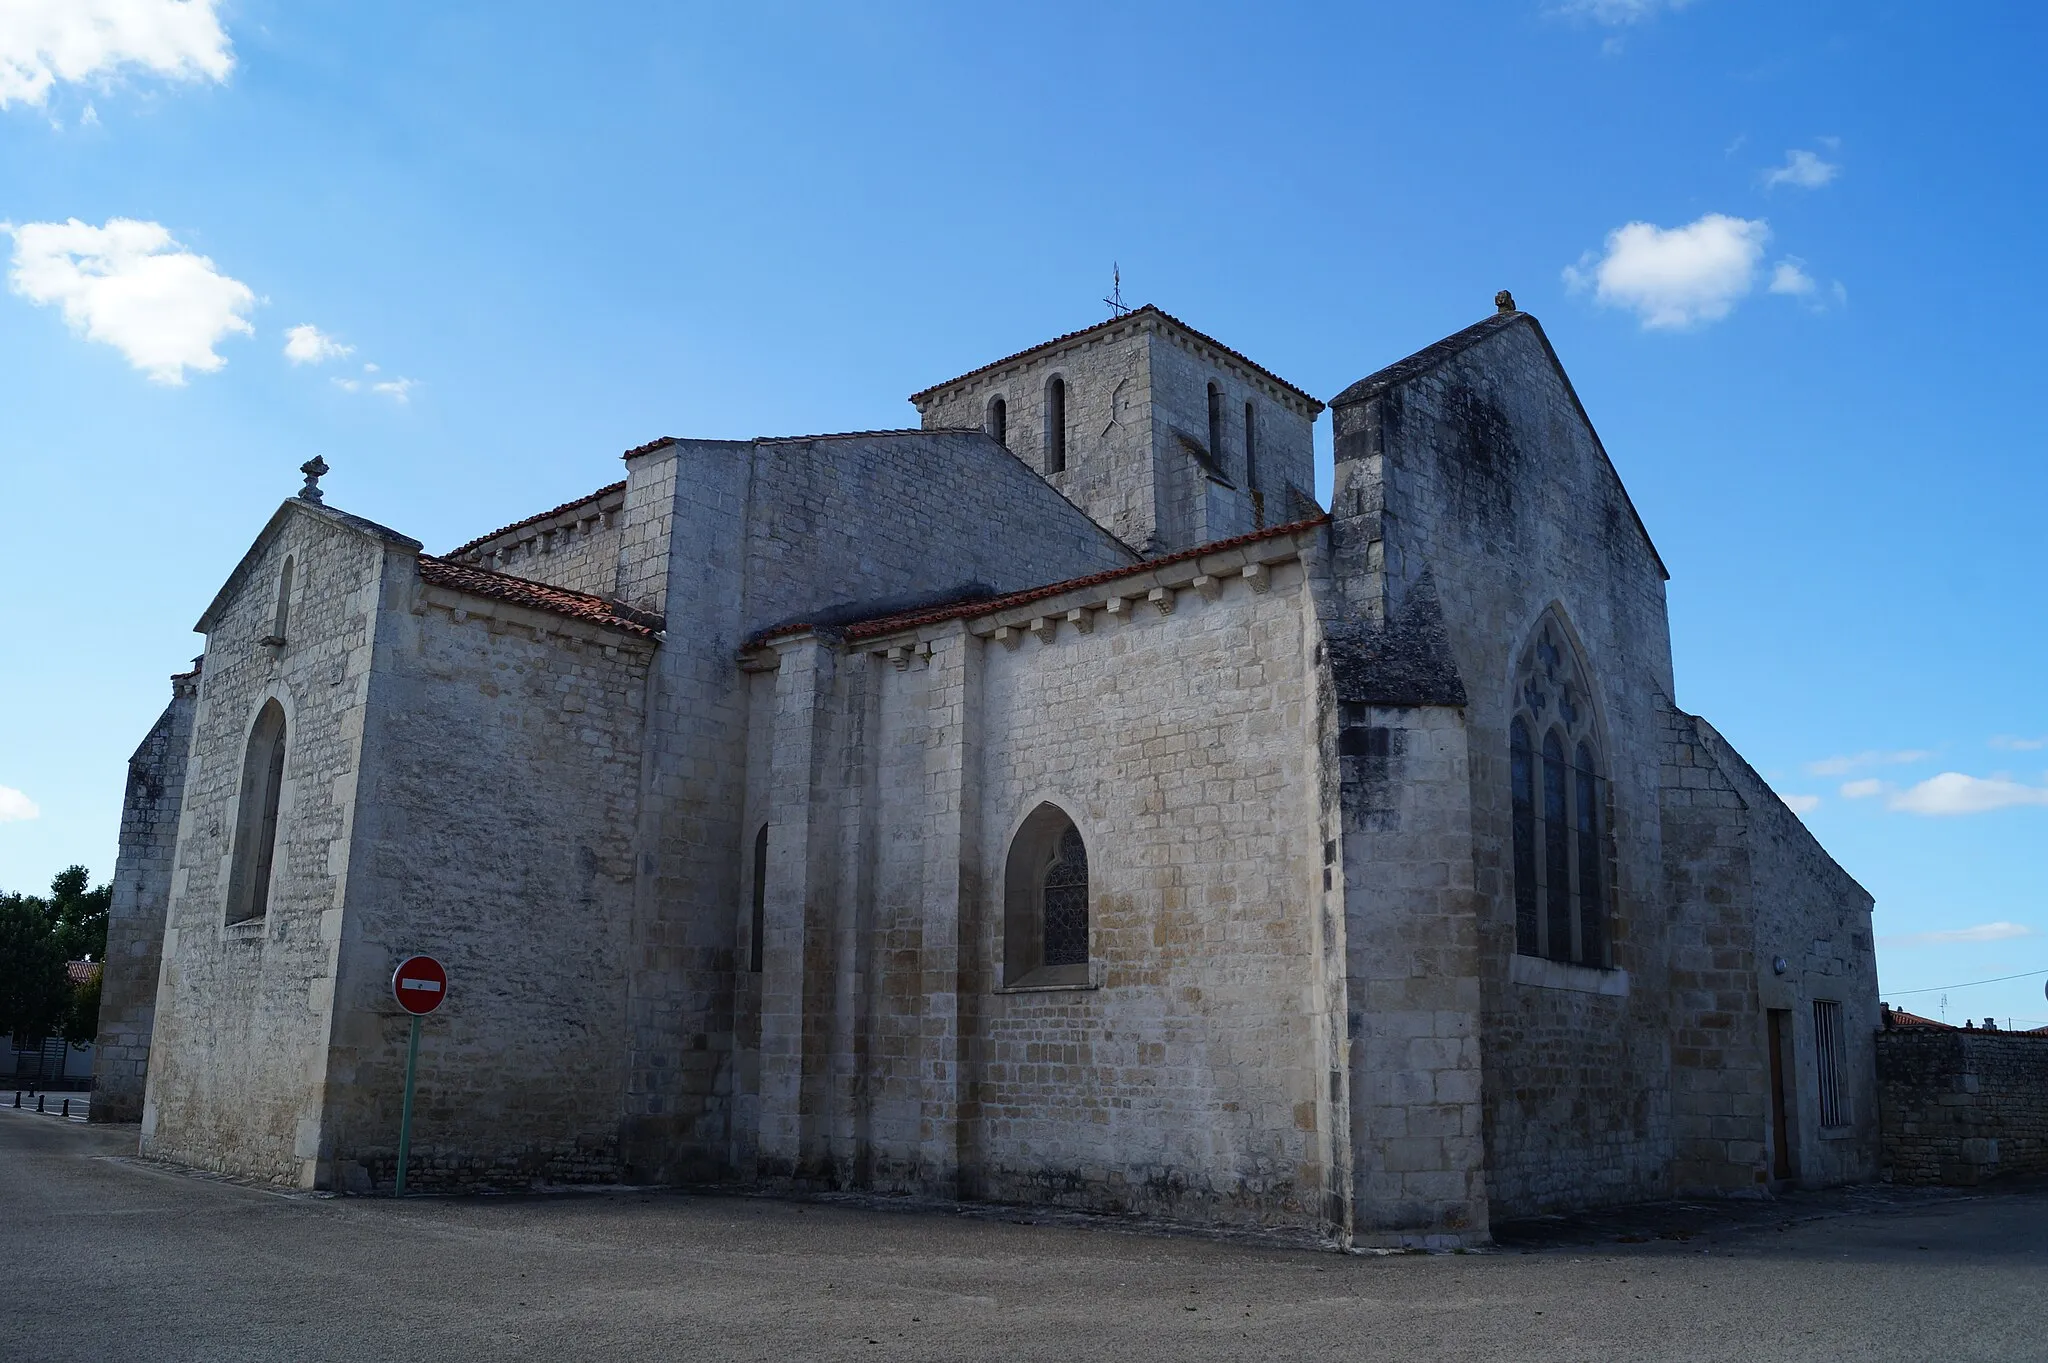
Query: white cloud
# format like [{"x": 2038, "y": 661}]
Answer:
[
  {"x": 1803, "y": 169},
  {"x": 398, "y": 390},
  {"x": 46, "y": 41},
  {"x": 2013, "y": 744},
  {"x": 131, "y": 286},
  {"x": 1954, "y": 793},
  {"x": 1801, "y": 804},
  {"x": 1789, "y": 278},
  {"x": 1863, "y": 790},
  {"x": 1842, "y": 766},
  {"x": 16, "y": 807},
  {"x": 1675, "y": 277},
  {"x": 1981, "y": 932},
  {"x": 1618, "y": 11},
  {"x": 307, "y": 344}
]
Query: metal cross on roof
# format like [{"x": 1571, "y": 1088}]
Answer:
[{"x": 1117, "y": 306}]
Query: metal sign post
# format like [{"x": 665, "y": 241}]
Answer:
[{"x": 419, "y": 984}]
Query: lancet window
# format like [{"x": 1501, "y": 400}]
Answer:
[
  {"x": 1045, "y": 902},
  {"x": 1557, "y": 807}
]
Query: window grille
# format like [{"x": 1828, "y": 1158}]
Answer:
[
  {"x": 1522, "y": 761},
  {"x": 1066, "y": 902},
  {"x": 1829, "y": 1061}
]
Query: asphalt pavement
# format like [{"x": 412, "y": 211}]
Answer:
[{"x": 105, "y": 1256}]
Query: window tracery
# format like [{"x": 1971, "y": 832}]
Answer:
[{"x": 1558, "y": 806}]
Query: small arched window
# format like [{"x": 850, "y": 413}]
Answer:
[
  {"x": 1045, "y": 903},
  {"x": 1558, "y": 802},
  {"x": 757, "y": 935},
  {"x": 1216, "y": 424},
  {"x": 256, "y": 817},
  {"x": 1056, "y": 425},
  {"x": 1251, "y": 455},
  {"x": 282, "y": 619},
  {"x": 999, "y": 421}
]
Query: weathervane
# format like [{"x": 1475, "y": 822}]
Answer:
[{"x": 1117, "y": 306}]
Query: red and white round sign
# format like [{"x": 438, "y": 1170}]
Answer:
[{"x": 419, "y": 984}]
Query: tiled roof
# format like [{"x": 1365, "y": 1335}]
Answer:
[
  {"x": 650, "y": 447},
  {"x": 604, "y": 491},
  {"x": 856, "y": 435},
  {"x": 81, "y": 972},
  {"x": 540, "y": 596},
  {"x": 1155, "y": 311},
  {"x": 985, "y": 605},
  {"x": 1901, "y": 1018}
]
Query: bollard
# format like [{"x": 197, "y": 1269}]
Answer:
[
  {"x": 67, "y": 1107},
  {"x": 17, "y": 1100},
  {"x": 39, "y": 1102}
]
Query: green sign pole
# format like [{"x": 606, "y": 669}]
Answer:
[{"x": 412, "y": 1064}]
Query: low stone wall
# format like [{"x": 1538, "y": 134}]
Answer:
[{"x": 1962, "y": 1106}]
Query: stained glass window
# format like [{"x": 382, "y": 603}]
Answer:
[{"x": 1066, "y": 902}]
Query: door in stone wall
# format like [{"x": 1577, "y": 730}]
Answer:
[{"x": 1781, "y": 1119}]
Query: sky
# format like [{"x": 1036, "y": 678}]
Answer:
[{"x": 469, "y": 252}]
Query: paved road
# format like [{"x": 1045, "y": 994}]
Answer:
[{"x": 142, "y": 1262}]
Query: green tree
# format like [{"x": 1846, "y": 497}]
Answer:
[
  {"x": 35, "y": 991},
  {"x": 38, "y": 937},
  {"x": 80, "y": 914}
]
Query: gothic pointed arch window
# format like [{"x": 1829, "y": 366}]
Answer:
[
  {"x": 1558, "y": 806},
  {"x": 255, "y": 850},
  {"x": 1046, "y": 903}
]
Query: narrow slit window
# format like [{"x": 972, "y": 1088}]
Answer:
[
  {"x": 256, "y": 817},
  {"x": 999, "y": 421},
  {"x": 1056, "y": 425},
  {"x": 282, "y": 619},
  {"x": 757, "y": 936},
  {"x": 1216, "y": 424},
  {"x": 1251, "y": 448}
]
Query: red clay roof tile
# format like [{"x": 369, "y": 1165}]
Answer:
[
  {"x": 520, "y": 591},
  {"x": 604, "y": 491}
]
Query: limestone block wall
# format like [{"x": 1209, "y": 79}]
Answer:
[
  {"x": 1138, "y": 456},
  {"x": 1809, "y": 917},
  {"x": 1190, "y": 1076},
  {"x": 1224, "y": 496},
  {"x": 237, "y": 1074},
  {"x": 1412, "y": 919},
  {"x": 1962, "y": 1106},
  {"x": 1470, "y": 483},
  {"x": 761, "y": 534},
  {"x": 577, "y": 546},
  {"x": 135, "y": 912},
  {"x": 498, "y": 801},
  {"x": 1109, "y": 469}
]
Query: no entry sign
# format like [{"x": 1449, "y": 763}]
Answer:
[{"x": 419, "y": 984}]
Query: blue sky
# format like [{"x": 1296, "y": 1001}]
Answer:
[{"x": 1788, "y": 253}]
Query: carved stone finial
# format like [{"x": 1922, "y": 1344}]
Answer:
[
  {"x": 312, "y": 468},
  {"x": 1503, "y": 301}
]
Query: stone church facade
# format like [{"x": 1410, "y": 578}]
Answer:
[{"x": 1051, "y": 804}]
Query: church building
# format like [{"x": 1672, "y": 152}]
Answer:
[{"x": 1051, "y": 804}]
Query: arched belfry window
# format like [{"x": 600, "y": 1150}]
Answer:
[
  {"x": 1045, "y": 902},
  {"x": 1558, "y": 806},
  {"x": 256, "y": 817},
  {"x": 1056, "y": 425},
  {"x": 999, "y": 421}
]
